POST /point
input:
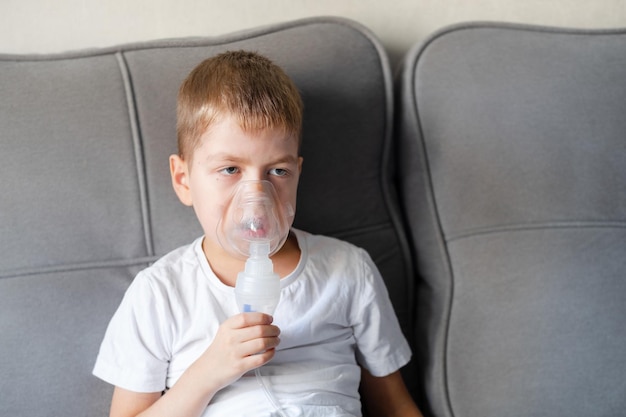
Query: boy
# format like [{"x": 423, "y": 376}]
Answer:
[{"x": 178, "y": 346}]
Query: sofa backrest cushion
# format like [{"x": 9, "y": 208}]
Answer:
[
  {"x": 512, "y": 163},
  {"x": 87, "y": 200}
]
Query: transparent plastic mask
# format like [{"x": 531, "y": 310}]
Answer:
[{"x": 254, "y": 214}]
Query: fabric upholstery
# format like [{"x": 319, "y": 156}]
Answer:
[
  {"x": 502, "y": 183},
  {"x": 87, "y": 200},
  {"x": 512, "y": 161}
]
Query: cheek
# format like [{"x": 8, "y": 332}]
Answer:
[
  {"x": 208, "y": 216},
  {"x": 209, "y": 205},
  {"x": 288, "y": 196}
]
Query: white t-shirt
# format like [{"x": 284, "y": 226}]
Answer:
[{"x": 334, "y": 314}]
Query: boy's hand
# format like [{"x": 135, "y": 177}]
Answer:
[{"x": 242, "y": 343}]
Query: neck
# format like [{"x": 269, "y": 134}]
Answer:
[{"x": 224, "y": 265}]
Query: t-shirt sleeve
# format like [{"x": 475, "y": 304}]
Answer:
[
  {"x": 381, "y": 346},
  {"x": 134, "y": 352}
]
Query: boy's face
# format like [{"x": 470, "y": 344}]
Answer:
[{"x": 227, "y": 155}]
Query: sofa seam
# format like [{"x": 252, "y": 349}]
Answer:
[
  {"x": 138, "y": 150},
  {"x": 520, "y": 27},
  {"x": 362, "y": 230},
  {"x": 387, "y": 185},
  {"x": 414, "y": 58},
  {"x": 521, "y": 227},
  {"x": 22, "y": 272}
]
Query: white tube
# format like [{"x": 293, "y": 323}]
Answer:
[{"x": 268, "y": 393}]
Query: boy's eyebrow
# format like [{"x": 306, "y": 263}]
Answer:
[
  {"x": 290, "y": 159},
  {"x": 222, "y": 156}
]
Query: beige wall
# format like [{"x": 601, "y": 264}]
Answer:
[{"x": 43, "y": 26}]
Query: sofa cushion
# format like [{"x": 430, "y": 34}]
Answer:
[
  {"x": 70, "y": 189},
  {"x": 512, "y": 165}
]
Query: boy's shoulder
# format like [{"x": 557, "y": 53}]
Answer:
[
  {"x": 318, "y": 244},
  {"x": 174, "y": 263},
  {"x": 180, "y": 254}
]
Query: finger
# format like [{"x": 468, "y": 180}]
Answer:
[
  {"x": 255, "y": 345},
  {"x": 242, "y": 320},
  {"x": 251, "y": 333},
  {"x": 259, "y": 359}
]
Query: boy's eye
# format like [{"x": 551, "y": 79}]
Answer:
[
  {"x": 279, "y": 172},
  {"x": 230, "y": 170}
]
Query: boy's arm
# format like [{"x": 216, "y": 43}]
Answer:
[
  {"x": 183, "y": 399},
  {"x": 387, "y": 396},
  {"x": 129, "y": 403},
  {"x": 233, "y": 352}
]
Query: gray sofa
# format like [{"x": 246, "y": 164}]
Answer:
[{"x": 489, "y": 187}]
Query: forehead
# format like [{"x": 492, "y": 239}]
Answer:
[{"x": 227, "y": 137}]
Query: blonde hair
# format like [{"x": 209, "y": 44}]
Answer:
[{"x": 244, "y": 85}]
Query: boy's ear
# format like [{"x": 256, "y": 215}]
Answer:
[{"x": 180, "y": 179}]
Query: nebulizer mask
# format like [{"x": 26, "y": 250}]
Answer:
[{"x": 254, "y": 226}]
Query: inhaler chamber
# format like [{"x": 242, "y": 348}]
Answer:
[{"x": 254, "y": 214}]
